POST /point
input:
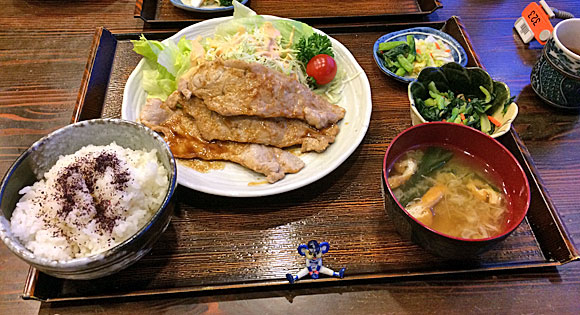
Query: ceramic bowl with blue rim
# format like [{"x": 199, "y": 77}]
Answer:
[
  {"x": 456, "y": 50},
  {"x": 44, "y": 153},
  {"x": 204, "y": 9}
]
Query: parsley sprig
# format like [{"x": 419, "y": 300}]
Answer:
[{"x": 314, "y": 45}]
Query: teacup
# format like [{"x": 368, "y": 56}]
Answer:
[{"x": 556, "y": 75}]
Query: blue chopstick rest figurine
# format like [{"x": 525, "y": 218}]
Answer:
[{"x": 313, "y": 252}]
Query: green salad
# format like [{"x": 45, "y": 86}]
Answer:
[{"x": 284, "y": 45}]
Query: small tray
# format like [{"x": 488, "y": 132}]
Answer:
[
  {"x": 163, "y": 12},
  {"x": 217, "y": 243}
]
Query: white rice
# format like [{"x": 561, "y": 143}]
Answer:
[{"x": 106, "y": 205}]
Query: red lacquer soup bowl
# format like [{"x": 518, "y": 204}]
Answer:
[{"x": 480, "y": 146}]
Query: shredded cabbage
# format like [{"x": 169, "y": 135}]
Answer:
[
  {"x": 431, "y": 52},
  {"x": 248, "y": 37},
  {"x": 264, "y": 45}
]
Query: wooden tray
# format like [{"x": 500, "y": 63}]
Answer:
[
  {"x": 163, "y": 12},
  {"x": 216, "y": 243}
]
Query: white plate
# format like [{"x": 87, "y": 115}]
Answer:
[
  {"x": 234, "y": 180},
  {"x": 203, "y": 9}
]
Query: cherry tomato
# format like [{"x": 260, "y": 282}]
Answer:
[{"x": 322, "y": 68}]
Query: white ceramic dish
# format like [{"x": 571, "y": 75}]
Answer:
[
  {"x": 505, "y": 119},
  {"x": 204, "y": 9},
  {"x": 234, "y": 180}
]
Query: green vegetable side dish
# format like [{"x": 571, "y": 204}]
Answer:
[
  {"x": 408, "y": 58},
  {"x": 461, "y": 95}
]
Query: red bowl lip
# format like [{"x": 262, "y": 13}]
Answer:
[{"x": 454, "y": 125}]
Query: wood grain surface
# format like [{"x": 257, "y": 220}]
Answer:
[
  {"x": 44, "y": 46},
  {"x": 163, "y": 11}
]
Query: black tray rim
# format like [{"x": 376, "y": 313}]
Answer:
[{"x": 146, "y": 11}]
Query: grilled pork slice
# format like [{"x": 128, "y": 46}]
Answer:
[
  {"x": 278, "y": 132},
  {"x": 181, "y": 133},
  {"x": 235, "y": 87}
]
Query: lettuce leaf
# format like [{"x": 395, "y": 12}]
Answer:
[
  {"x": 158, "y": 82},
  {"x": 287, "y": 27},
  {"x": 245, "y": 18},
  {"x": 241, "y": 11},
  {"x": 232, "y": 26},
  {"x": 175, "y": 57},
  {"x": 147, "y": 48},
  {"x": 164, "y": 64}
]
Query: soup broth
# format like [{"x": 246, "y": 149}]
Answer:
[
  {"x": 575, "y": 50},
  {"x": 450, "y": 191}
]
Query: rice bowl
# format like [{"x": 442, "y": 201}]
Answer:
[
  {"x": 89, "y": 201},
  {"x": 96, "y": 261}
]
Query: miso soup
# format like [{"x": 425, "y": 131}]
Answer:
[{"x": 450, "y": 191}]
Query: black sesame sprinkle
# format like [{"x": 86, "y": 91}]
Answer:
[{"x": 81, "y": 176}]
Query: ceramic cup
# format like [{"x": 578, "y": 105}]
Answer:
[{"x": 556, "y": 75}]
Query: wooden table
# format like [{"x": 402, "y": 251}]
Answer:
[{"x": 44, "y": 46}]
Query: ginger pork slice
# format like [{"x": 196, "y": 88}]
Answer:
[
  {"x": 278, "y": 132},
  {"x": 181, "y": 133},
  {"x": 235, "y": 87}
]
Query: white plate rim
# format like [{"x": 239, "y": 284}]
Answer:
[
  {"x": 181, "y": 5},
  {"x": 280, "y": 186}
]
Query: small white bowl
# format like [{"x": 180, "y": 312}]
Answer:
[{"x": 505, "y": 119}]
